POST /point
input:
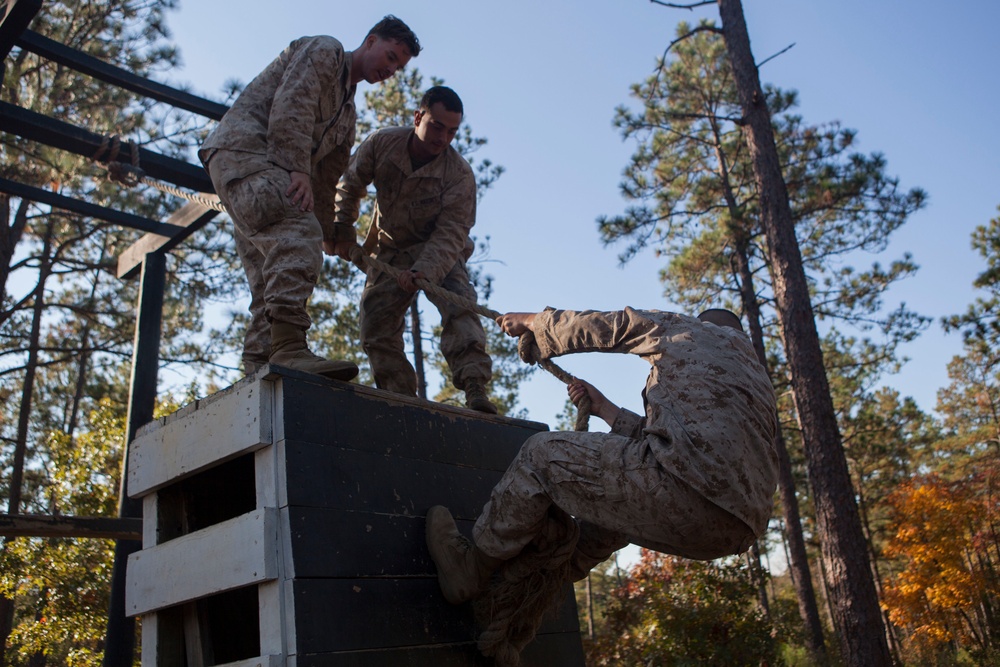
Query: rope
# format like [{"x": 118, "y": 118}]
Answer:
[{"x": 526, "y": 347}]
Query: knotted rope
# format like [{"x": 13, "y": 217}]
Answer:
[{"x": 131, "y": 174}]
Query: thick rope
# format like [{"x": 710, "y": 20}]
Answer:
[
  {"x": 526, "y": 347},
  {"x": 204, "y": 200}
]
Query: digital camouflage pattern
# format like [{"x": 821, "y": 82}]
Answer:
[
  {"x": 695, "y": 477},
  {"x": 296, "y": 115},
  {"x": 422, "y": 222}
]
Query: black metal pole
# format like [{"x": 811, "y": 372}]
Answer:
[{"x": 119, "y": 645}]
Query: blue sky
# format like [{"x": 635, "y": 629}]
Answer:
[{"x": 541, "y": 80}]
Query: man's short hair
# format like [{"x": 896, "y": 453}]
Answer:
[
  {"x": 446, "y": 96},
  {"x": 392, "y": 28},
  {"x": 722, "y": 318}
]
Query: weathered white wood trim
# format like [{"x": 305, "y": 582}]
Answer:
[
  {"x": 201, "y": 436},
  {"x": 228, "y": 555},
  {"x": 150, "y": 640},
  {"x": 150, "y": 520},
  {"x": 271, "y": 618},
  {"x": 262, "y": 661}
]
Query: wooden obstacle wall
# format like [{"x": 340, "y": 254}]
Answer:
[{"x": 284, "y": 525}]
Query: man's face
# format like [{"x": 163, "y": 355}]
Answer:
[
  {"x": 435, "y": 128},
  {"x": 384, "y": 58}
]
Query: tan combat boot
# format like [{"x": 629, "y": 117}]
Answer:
[
  {"x": 477, "y": 398},
  {"x": 288, "y": 348},
  {"x": 252, "y": 364},
  {"x": 463, "y": 570}
]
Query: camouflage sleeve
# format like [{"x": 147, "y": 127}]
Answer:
[
  {"x": 312, "y": 70},
  {"x": 628, "y": 423},
  {"x": 326, "y": 174},
  {"x": 353, "y": 186},
  {"x": 560, "y": 332},
  {"x": 451, "y": 230}
]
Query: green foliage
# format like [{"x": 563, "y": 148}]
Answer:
[
  {"x": 980, "y": 324},
  {"x": 60, "y": 586},
  {"x": 673, "y": 611},
  {"x": 693, "y": 199}
]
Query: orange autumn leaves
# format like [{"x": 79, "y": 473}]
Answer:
[{"x": 945, "y": 547}]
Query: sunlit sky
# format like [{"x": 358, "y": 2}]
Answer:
[{"x": 541, "y": 80}]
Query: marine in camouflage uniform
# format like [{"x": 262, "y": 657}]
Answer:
[
  {"x": 424, "y": 209},
  {"x": 694, "y": 477},
  {"x": 275, "y": 159}
]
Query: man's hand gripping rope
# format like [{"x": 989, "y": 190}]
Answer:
[{"x": 513, "y": 324}]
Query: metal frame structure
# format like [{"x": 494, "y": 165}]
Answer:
[{"x": 146, "y": 258}]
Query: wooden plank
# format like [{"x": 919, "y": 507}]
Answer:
[
  {"x": 389, "y": 613},
  {"x": 38, "y": 525},
  {"x": 260, "y": 661},
  {"x": 229, "y": 555},
  {"x": 66, "y": 136},
  {"x": 350, "y": 479},
  {"x": 549, "y": 650},
  {"x": 53, "y": 199},
  {"x": 373, "y": 420},
  {"x": 271, "y": 617},
  {"x": 189, "y": 219},
  {"x": 232, "y": 422},
  {"x": 17, "y": 14},
  {"x": 116, "y": 76}
]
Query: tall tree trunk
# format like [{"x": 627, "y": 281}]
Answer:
[
  {"x": 10, "y": 234},
  {"x": 6, "y": 621},
  {"x": 798, "y": 557},
  {"x": 757, "y": 574},
  {"x": 798, "y": 562},
  {"x": 418, "y": 348},
  {"x": 83, "y": 365},
  {"x": 874, "y": 559},
  {"x": 849, "y": 579},
  {"x": 590, "y": 610}
]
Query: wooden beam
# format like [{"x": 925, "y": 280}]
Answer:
[
  {"x": 185, "y": 222},
  {"x": 116, "y": 76},
  {"x": 15, "y": 19},
  {"x": 39, "y": 525},
  {"x": 51, "y": 132},
  {"x": 85, "y": 208}
]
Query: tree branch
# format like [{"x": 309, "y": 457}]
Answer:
[
  {"x": 690, "y": 6},
  {"x": 761, "y": 63}
]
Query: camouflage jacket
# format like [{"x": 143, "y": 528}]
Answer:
[
  {"x": 427, "y": 212},
  {"x": 298, "y": 114},
  {"x": 711, "y": 417}
]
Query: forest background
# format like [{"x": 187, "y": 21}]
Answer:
[{"x": 541, "y": 85}]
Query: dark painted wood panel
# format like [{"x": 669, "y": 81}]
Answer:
[
  {"x": 335, "y": 544},
  {"x": 362, "y": 614},
  {"x": 348, "y": 416},
  {"x": 551, "y": 650},
  {"x": 351, "y": 479}
]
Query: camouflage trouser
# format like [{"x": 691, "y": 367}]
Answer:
[
  {"x": 618, "y": 493},
  {"x": 383, "y": 312},
  {"x": 281, "y": 248}
]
